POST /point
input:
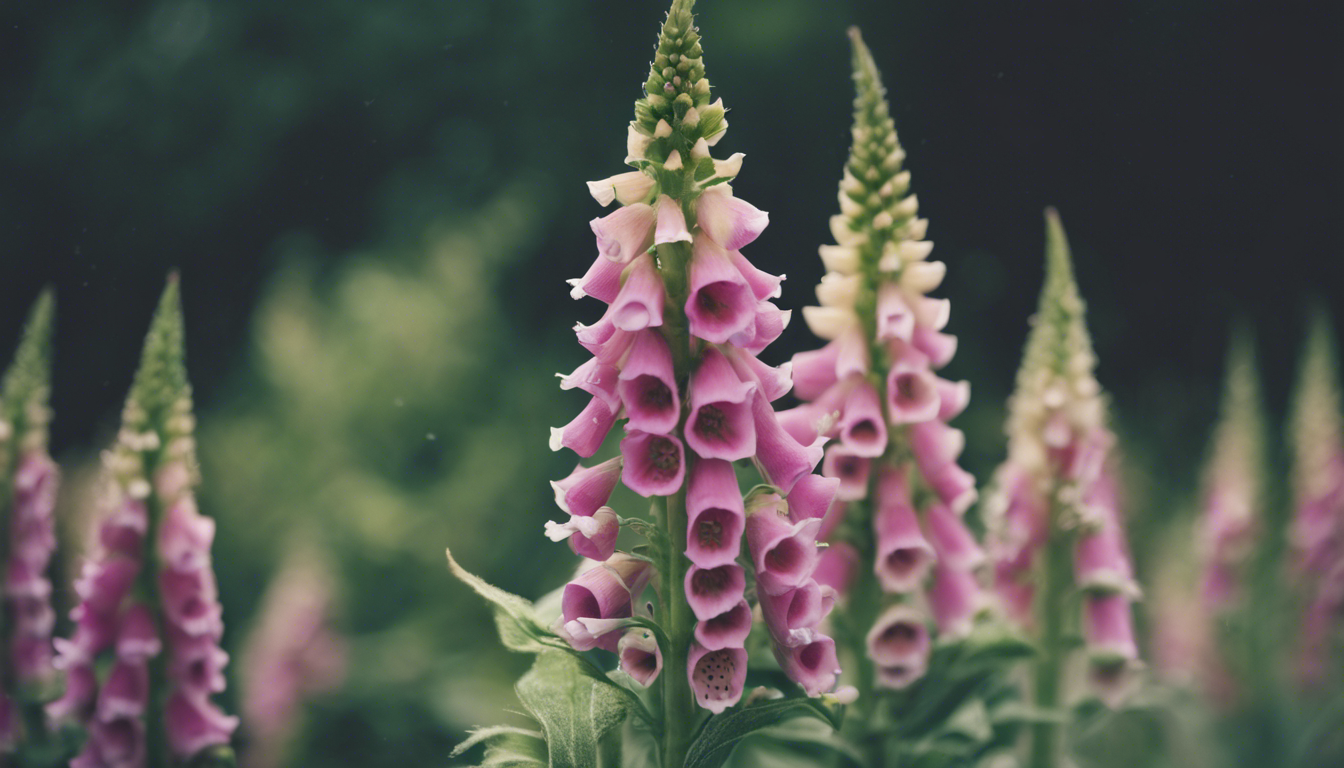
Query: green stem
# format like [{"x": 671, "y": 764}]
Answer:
[
  {"x": 679, "y": 713},
  {"x": 155, "y": 736},
  {"x": 678, "y": 702},
  {"x": 1046, "y": 736}
]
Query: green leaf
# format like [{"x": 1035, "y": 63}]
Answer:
[
  {"x": 796, "y": 742},
  {"x": 722, "y": 733},
  {"x": 519, "y": 629},
  {"x": 704, "y": 169},
  {"x": 574, "y": 709},
  {"x": 492, "y": 732}
]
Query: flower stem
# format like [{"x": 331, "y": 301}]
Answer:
[
  {"x": 679, "y": 714},
  {"x": 1055, "y": 577}
]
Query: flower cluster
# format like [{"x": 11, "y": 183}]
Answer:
[
  {"x": 1317, "y": 534},
  {"x": 1233, "y": 486},
  {"x": 675, "y": 356},
  {"x": 149, "y": 581},
  {"x": 873, "y": 390},
  {"x": 30, "y": 480},
  {"x": 1057, "y": 489}
]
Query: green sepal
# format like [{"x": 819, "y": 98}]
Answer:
[
  {"x": 704, "y": 168},
  {"x": 161, "y": 380}
]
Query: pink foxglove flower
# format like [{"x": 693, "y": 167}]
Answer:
[
  {"x": 874, "y": 389},
  {"x": 1317, "y": 533},
  {"x": 674, "y": 357},
  {"x": 29, "y": 478},
  {"x": 293, "y": 653},
  {"x": 174, "y": 642},
  {"x": 1054, "y": 519}
]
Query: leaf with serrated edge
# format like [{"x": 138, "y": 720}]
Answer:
[
  {"x": 574, "y": 709},
  {"x": 723, "y": 732},
  {"x": 519, "y": 629}
]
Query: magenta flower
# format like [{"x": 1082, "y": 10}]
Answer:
[
  {"x": 717, "y": 677},
  {"x": 640, "y": 656},
  {"x": 1055, "y": 499},
  {"x": 675, "y": 356},
  {"x": 813, "y": 664},
  {"x": 899, "y": 646},
  {"x": 151, "y": 468}
]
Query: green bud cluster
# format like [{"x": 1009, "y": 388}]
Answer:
[
  {"x": 26, "y": 389},
  {"x": 1317, "y": 422},
  {"x": 874, "y": 194},
  {"x": 160, "y": 386},
  {"x": 1237, "y": 454}
]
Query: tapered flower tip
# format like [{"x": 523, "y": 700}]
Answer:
[
  {"x": 837, "y": 567},
  {"x": 904, "y": 557},
  {"x": 715, "y": 515},
  {"x": 717, "y": 677},
  {"x": 640, "y": 656},
  {"x": 639, "y": 303},
  {"x": 626, "y": 232},
  {"x": 851, "y": 470},
  {"x": 783, "y": 460},
  {"x": 899, "y": 646},
  {"x": 161, "y": 380},
  {"x": 812, "y": 496},
  {"x": 587, "y": 489},
  {"x": 720, "y": 425},
  {"x": 955, "y": 599},
  {"x": 791, "y": 614},
  {"x": 138, "y": 637},
  {"x": 584, "y": 435},
  {"x": 126, "y": 692},
  {"x": 813, "y": 665},
  {"x": 648, "y": 386},
  {"x": 624, "y": 188},
  {"x": 721, "y": 302},
  {"x": 27, "y": 384},
  {"x": 772, "y": 381},
  {"x": 952, "y": 541},
  {"x": 863, "y": 429},
  {"x": 194, "y": 725},
  {"x": 912, "y": 395},
  {"x": 727, "y": 630},
  {"x": 603, "y": 592},
  {"x": 712, "y": 591},
  {"x": 595, "y": 377},
  {"x": 729, "y": 221},
  {"x": 654, "y": 464},
  {"x": 783, "y": 552}
]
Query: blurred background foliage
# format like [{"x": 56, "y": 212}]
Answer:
[{"x": 374, "y": 206}]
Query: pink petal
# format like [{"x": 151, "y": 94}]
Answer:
[
  {"x": 648, "y": 386},
  {"x": 715, "y": 516},
  {"x": 584, "y": 435},
  {"x": 727, "y": 630},
  {"x": 639, "y": 304},
  {"x": 194, "y": 725},
  {"x": 587, "y": 489},
  {"x": 671, "y": 222},
  {"x": 721, "y": 302},
  {"x": 717, "y": 677},
  {"x": 813, "y": 665},
  {"x": 654, "y": 464},
  {"x": 851, "y": 470},
  {"x": 640, "y": 656},
  {"x": 729, "y": 221},
  {"x": 720, "y": 425},
  {"x": 712, "y": 591},
  {"x": 625, "y": 233},
  {"x": 863, "y": 428}
]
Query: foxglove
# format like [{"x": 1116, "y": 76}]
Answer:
[
  {"x": 147, "y": 597},
  {"x": 1316, "y": 434},
  {"x": 674, "y": 362},
  {"x": 28, "y": 481},
  {"x": 1055, "y": 502},
  {"x": 874, "y": 392},
  {"x": 293, "y": 653}
]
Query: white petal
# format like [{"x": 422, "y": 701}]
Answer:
[{"x": 828, "y": 322}]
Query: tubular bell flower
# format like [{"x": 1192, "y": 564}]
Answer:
[
  {"x": 873, "y": 389},
  {"x": 152, "y": 542},
  {"x": 1054, "y": 500},
  {"x": 28, "y": 482},
  {"x": 675, "y": 356},
  {"x": 1317, "y": 533}
]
